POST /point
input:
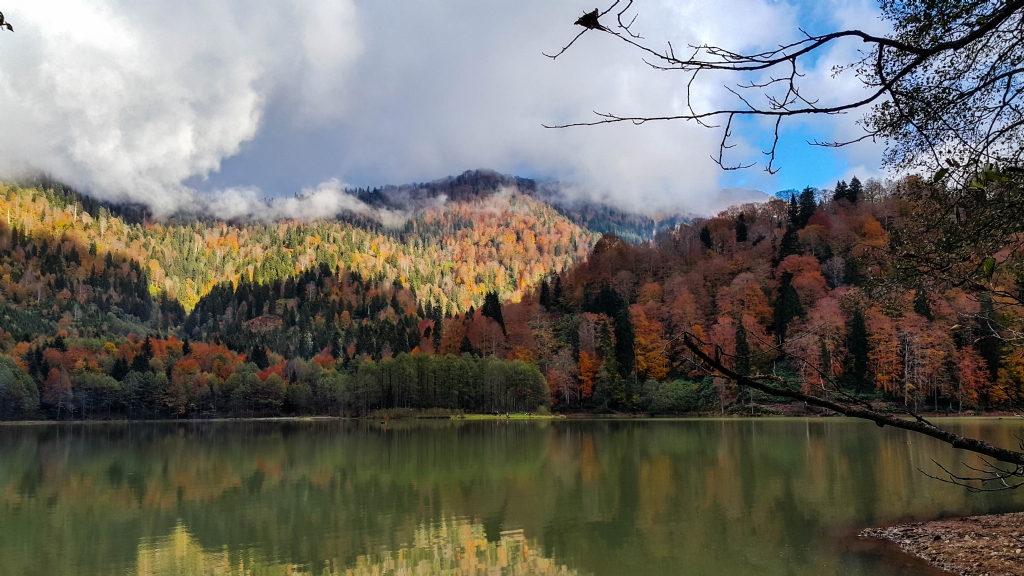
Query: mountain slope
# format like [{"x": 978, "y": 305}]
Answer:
[{"x": 450, "y": 255}]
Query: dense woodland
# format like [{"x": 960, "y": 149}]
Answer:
[
  {"x": 782, "y": 287},
  {"x": 450, "y": 255},
  {"x": 334, "y": 317}
]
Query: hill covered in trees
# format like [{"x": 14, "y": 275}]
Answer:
[
  {"x": 782, "y": 288},
  {"x": 595, "y": 216},
  {"x": 491, "y": 302},
  {"x": 449, "y": 254},
  {"x": 92, "y": 280}
]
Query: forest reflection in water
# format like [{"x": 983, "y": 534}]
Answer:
[
  {"x": 540, "y": 497},
  {"x": 453, "y": 547}
]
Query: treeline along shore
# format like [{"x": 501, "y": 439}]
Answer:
[{"x": 152, "y": 379}]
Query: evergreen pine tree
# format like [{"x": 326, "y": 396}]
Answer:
[
  {"x": 705, "y": 237},
  {"x": 841, "y": 192},
  {"x": 857, "y": 349},
  {"x": 259, "y": 357},
  {"x": 465, "y": 347},
  {"x": 853, "y": 194},
  {"x": 808, "y": 206},
  {"x": 556, "y": 292},
  {"x": 851, "y": 270},
  {"x": 436, "y": 335},
  {"x": 545, "y": 293},
  {"x": 922, "y": 306},
  {"x": 787, "y": 306},
  {"x": 741, "y": 228},
  {"x": 790, "y": 243},
  {"x": 141, "y": 361},
  {"x": 120, "y": 369},
  {"x": 625, "y": 353},
  {"x": 492, "y": 309},
  {"x": 794, "y": 212},
  {"x": 336, "y": 345}
]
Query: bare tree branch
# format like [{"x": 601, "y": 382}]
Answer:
[
  {"x": 918, "y": 424},
  {"x": 947, "y": 80}
]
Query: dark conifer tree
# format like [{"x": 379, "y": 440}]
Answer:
[
  {"x": 141, "y": 361},
  {"x": 259, "y": 357},
  {"x": 808, "y": 206},
  {"x": 625, "y": 353},
  {"x": 437, "y": 332},
  {"x": 851, "y": 271},
  {"x": 790, "y": 243},
  {"x": 120, "y": 369},
  {"x": 336, "y": 345},
  {"x": 857, "y": 350},
  {"x": 705, "y": 238},
  {"x": 545, "y": 294},
  {"x": 741, "y": 228},
  {"x": 853, "y": 194},
  {"x": 841, "y": 192},
  {"x": 492, "y": 309},
  {"x": 606, "y": 347},
  {"x": 922, "y": 306},
  {"x": 465, "y": 346},
  {"x": 787, "y": 306}
]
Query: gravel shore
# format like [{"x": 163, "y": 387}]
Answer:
[{"x": 972, "y": 546}]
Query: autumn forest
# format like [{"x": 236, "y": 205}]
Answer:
[{"x": 489, "y": 297}]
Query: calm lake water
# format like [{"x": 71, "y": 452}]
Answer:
[{"x": 713, "y": 497}]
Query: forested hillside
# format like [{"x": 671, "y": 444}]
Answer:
[
  {"x": 448, "y": 255},
  {"x": 782, "y": 287},
  {"x": 83, "y": 284},
  {"x": 333, "y": 317}
]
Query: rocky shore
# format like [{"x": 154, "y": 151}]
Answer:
[{"x": 972, "y": 546}]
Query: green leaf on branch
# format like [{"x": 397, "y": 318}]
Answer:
[{"x": 988, "y": 266}]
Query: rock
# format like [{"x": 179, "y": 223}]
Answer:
[{"x": 970, "y": 546}]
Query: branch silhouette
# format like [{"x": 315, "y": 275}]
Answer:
[
  {"x": 956, "y": 85},
  {"x": 863, "y": 411}
]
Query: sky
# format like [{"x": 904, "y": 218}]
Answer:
[{"x": 225, "y": 102}]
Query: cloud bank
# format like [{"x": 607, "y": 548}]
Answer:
[
  {"x": 327, "y": 200},
  {"x": 130, "y": 99},
  {"x": 229, "y": 101}
]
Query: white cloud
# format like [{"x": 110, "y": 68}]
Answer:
[
  {"x": 134, "y": 99},
  {"x": 326, "y": 200},
  {"x": 129, "y": 99}
]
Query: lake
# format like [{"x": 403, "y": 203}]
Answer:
[{"x": 602, "y": 497}]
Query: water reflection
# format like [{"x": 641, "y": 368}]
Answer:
[
  {"x": 455, "y": 547},
  {"x": 602, "y": 497}
]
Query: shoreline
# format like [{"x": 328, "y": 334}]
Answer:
[
  {"x": 580, "y": 416},
  {"x": 968, "y": 546}
]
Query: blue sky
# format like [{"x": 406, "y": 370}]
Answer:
[{"x": 270, "y": 99}]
